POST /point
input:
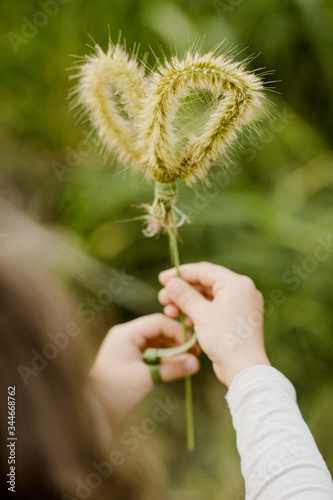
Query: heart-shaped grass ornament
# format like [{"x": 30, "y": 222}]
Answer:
[
  {"x": 134, "y": 110},
  {"x": 136, "y": 113}
]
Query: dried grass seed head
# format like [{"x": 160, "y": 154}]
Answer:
[
  {"x": 235, "y": 93},
  {"x": 111, "y": 88},
  {"x": 135, "y": 114}
]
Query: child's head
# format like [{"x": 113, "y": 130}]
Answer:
[{"x": 57, "y": 436}]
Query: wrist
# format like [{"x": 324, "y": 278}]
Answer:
[{"x": 226, "y": 373}]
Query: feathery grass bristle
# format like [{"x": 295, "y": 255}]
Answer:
[
  {"x": 111, "y": 88},
  {"x": 136, "y": 112}
]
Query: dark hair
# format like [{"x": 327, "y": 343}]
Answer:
[{"x": 58, "y": 438}]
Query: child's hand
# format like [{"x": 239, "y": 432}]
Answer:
[
  {"x": 124, "y": 378},
  {"x": 226, "y": 310}
]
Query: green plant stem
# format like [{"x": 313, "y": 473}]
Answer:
[{"x": 174, "y": 251}]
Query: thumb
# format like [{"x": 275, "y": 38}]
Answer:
[{"x": 187, "y": 298}]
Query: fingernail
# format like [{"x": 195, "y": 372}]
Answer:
[
  {"x": 174, "y": 286},
  {"x": 191, "y": 365}
]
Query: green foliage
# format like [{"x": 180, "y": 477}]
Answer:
[{"x": 264, "y": 216}]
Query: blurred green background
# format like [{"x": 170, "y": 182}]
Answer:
[{"x": 265, "y": 216}]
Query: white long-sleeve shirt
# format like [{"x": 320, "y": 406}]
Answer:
[{"x": 279, "y": 457}]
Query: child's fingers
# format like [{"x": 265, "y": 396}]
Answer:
[
  {"x": 164, "y": 297},
  {"x": 153, "y": 330},
  {"x": 188, "y": 299},
  {"x": 203, "y": 273},
  {"x": 195, "y": 350},
  {"x": 178, "y": 367},
  {"x": 143, "y": 330},
  {"x": 171, "y": 311},
  {"x": 189, "y": 323},
  {"x": 166, "y": 275},
  {"x": 162, "y": 342}
]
